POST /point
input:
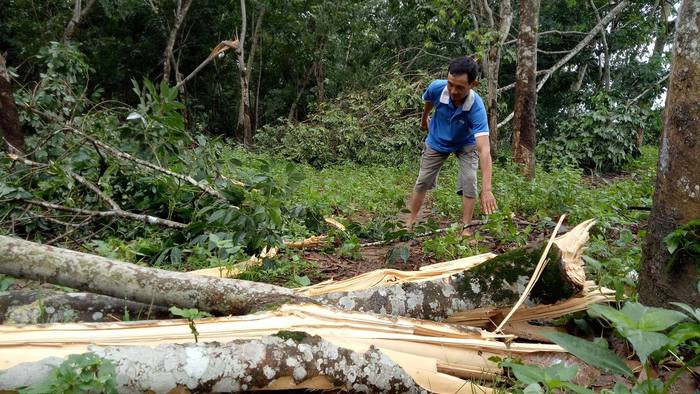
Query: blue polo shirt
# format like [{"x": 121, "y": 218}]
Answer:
[{"x": 453, "y": 127}]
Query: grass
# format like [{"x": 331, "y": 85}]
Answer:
[{"x": 377, "y": 195}]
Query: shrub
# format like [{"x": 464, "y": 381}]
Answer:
[
  {"x": 380, "y": 126},
  {"x": 602, "y": 138}
]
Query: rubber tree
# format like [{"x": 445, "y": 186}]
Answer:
[
  {"x": 676, "y": 202},
  {"x": 526, "y": 89}
]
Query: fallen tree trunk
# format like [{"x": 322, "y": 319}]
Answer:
[
  {"x": 496, "y": 283},
  {"x": 50, "y": 306},
  {"x": 240, "y": 365},
  {"x": 436, "y": 355},
  {"x": 101, "y": 275}
]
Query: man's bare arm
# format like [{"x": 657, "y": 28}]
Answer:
[
  {"x": 488, "y": 201},
  {"x": 425, "y": 119}
]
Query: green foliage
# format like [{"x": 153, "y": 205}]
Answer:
[
  {"x": 601, "y": 138},
  {"x": 452, "y": 245},
  {"x": 285, "y": 270},
  {"x": 555, "y": 377},
  {"x": 191, "y": 314},
  {"x": 379, "y": 126},
  {"x": 640, "y": 325},
  {"x": 644, "y": 328},
  {"x": 79, "y": 373},
  {"x": 590, "y": 352},
  {"x": 684, "y": 243}
]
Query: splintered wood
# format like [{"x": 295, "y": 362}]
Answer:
[{"x": 443, "y": 349}]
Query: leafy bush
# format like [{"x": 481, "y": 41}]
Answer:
[
  {"x": 380, "y": 126},
  {"x": 153, "y": 131},
  {"x": 600, "y": 138}
]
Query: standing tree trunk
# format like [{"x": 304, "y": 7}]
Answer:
[
  {"x": 606, "y": 51},
  {"x": 9, "y": 118},
  {"x": 168, "y": 58},
  {"x": 526, "y": 89},
  {"x": 79, "y": 14},
  {"x": 664, "y": 28},
  {"x": 492, "y": 69},
  {"x": 318, "y": 73},
  {"x": 244, "y": 127},
  {"x": 677, "y": 192},
  {"x": 248, "y": 137}
]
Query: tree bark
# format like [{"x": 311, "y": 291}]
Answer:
[
  {"x": 50, "y": 306},
  {"x": 677, "y": 191},
  {"x": 79, "y": 14},
  {"x": 318, "y": 72},
  {"x": 579, "y": 77},
  {"x": 239, "y": 365},
  {"x": 300, "y": 91},
  {"x": 492, "y": 70},
  {"x": 663, "y": 30},
  {"x": 168, "y": 58},
  {"x": 122, "y": 280},
  {"x": 12, "y": 135},
  {"x": 243, "y": 109},
  {"x": 524, "y": 130},
  {"x": 244, "y": 127},
  {"x": 496, "y": 283}
]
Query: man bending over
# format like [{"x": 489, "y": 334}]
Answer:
[{"x": 459, "y": 125}]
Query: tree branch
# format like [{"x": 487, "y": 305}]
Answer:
[
  {"x": 180, "y": 15},
  {"x": 145, "y": 164},
  {"x": 111, "y": 213},
  {"x": 79, "y": 14}
]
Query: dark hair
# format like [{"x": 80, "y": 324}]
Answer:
[{"x": 464, "y": 65}]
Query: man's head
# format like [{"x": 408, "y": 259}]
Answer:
[{"x": 461, "y": 77}]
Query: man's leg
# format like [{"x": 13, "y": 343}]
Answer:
[
  {"x": 430, "y": 163},
  {"x": 467, "y": 213},
  {"x": 414, "y": 205},
  {"x": 468, "y": 164}
]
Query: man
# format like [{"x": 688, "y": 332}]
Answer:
[{"x": 459, "y": 125}]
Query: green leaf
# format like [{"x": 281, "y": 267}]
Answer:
[
  {"x": 684, "y": 332},
  {"x": 302, "y": 280},
  {"x": 692, "y": 312},
  {"x": 644, "y": 342},
  {"x": 562, "y": 371},
  {"x": 576, "y": 388},
  {"x": 658, "y": 319},
  {"x": 6, "y": 282},
  {"x": 533, "y": 388},
  {"x": 612, "y": 314},
  {"x": 590, "y": 353},
  {"x": 527, "y": 374},
  {"x": 175, "y": 255}
]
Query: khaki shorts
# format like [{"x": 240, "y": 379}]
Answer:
[{"x": 431, "y": 162}]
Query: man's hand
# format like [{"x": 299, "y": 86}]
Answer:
[{"x": 488, "y": 202}]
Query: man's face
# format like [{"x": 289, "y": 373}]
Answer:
[{"x": 458, "y": 86}]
